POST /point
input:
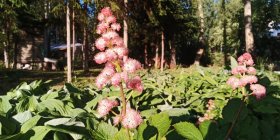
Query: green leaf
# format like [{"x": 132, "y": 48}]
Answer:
[
  {"x": 161, "y": 122},
  {"x": 156, "y": 101},
  {"x": 104, "y": 131},
  {"x": 8, "y": 125},
  {"x": 0, "y": 128},
  {"x": 71, "y": 89},
  {"x": 5, "y": 105},
  {"x": 11, "y": 137},
  {"x": 60, "y": 136},
  {"x": 177, "y": 111},
  {"x": 23, "y": 116},
  {"x": 52, "y": 105},
  {"x": 30, "y": 124},
  {"x": 91, "y": 104},
  {"x": 266, "y": 109},
  {"x": 148, "y": 113},
  {"x": 208, "y": 130},
  {"x": 36, "y": 133},
  {"x": 188, "y": 130},
  {"x": 248, "y": 129},
  {"x": 75, "y": 112},
  {"x": 67, "y": 125},
  {"x": 40, "y": 132},
  {"x": 122, "y": 135},
  {"x": 233, "y": 62},
  {"x": 27, "y": 103},
  {"x": 71, "y": 130},
  {"x": 204, "y": 127},
  {"x": 267, "y": 128},
  {"x": 211, "y": 80},
  {"x": 49, "y": 95},
  {"x": 145, "y": 132},
  {"x": 58, "y": 121},
  {"x": 232, "y": 108}
]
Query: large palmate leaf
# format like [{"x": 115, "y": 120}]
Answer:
[
  {"x": 145, "y": 132},
  {"x": 162, "y": 122},
  {"x": 188, "y": 130},
  {"x": 234, "y": 107},
  {"x": 104, "y": 131},
  {"x": 208, "y": 130},
  {"x": 122, "y": 135}
]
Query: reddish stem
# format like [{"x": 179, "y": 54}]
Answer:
[{"x": 123, "y": 101}]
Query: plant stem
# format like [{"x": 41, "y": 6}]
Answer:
[
  {"x": 114, "y": 112},
  {"x": 118, "y": 69},
  {"x": 123, "y": 101},
  {"x": 128, "y": 133}
]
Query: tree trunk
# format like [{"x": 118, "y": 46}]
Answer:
[
  {"x": 156, "y": 57},
  {"x": 224, "y": 47},
  {"x": 162, "y": 51},
  {"x": 68, "y": 30},
  {"x": 146, "y": 55},
  {"x": 249, "y": 38},
  {"x": 6, "y": 55},
  {"x": 6, "y": 49},
  {"x": 173, "y": 53},
  {"x": 85, "y": 51},
  {"x": 73, "y": 35},
  {"x": 201, "y": 34},
  {"x": 46, "y": 34},
  {"x": 85, "y": 45},
  {"x": 15, "y": 55},
  {"x": 125, "y": 28}
]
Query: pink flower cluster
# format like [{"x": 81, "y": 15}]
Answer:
[
  {"x": 246, "y": 59},
  {"x": 258, "y": 90},
  {"x": 114, "y": 54},
  {"x": 208, "y": 115},
  {"x": 130, "y": 120},
  {"x": 117, "y": 68},
  {"x": 244, "y": 74},
  {"x": 105, "y": 106}
]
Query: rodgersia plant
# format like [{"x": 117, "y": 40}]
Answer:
[
  {"x": 117, "y": 72},
  {"x": 245, "y": 75}
]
